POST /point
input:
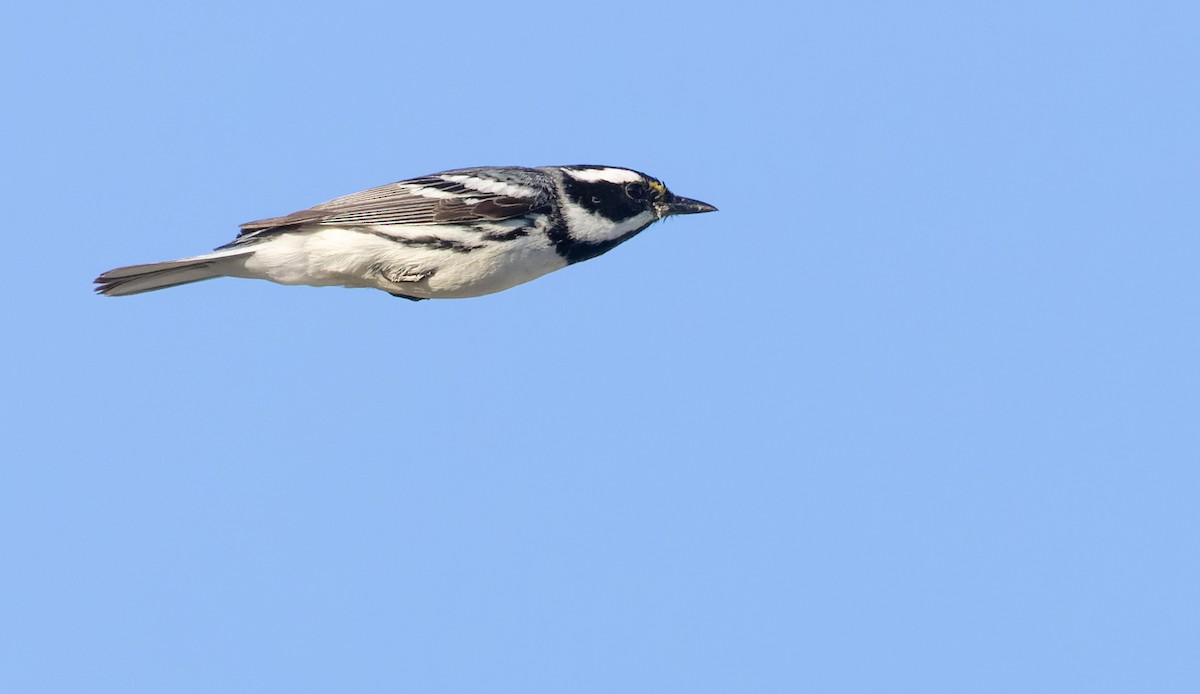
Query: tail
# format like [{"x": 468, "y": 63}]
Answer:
[{"x": 136, "y": 279}]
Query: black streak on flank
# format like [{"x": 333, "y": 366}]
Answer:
[
  {"x": 429, "y": 242},
  {"x": 506, "y": 235}
]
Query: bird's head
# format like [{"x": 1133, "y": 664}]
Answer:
[
  {"x": 604, "y": 203},
  {"x": 619, "y": 194}
]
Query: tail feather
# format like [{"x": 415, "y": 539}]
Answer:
[{"x": 136, "y": 279}]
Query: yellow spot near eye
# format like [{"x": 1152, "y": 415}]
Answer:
[{"x": 658, "y": 188}]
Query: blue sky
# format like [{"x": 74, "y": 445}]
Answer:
[{"x": 915, "y": 411}]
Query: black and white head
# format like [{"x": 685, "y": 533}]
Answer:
[{"x": 605, "y": 205}]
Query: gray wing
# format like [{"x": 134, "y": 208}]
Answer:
[{"x": 451, "y": 197}]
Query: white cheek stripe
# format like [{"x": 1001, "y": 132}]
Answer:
[
  {"x": 592, "y": 228},
  {"x": 611, "y": 175}
]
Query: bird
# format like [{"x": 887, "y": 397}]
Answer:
[{"x": 450, "y": 235}]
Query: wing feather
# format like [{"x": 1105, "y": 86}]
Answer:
[{"x": 451, "y": 197}]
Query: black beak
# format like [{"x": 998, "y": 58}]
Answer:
[{"x": 678, "y": 205}]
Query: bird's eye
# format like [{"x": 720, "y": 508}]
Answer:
[{"x": 637, "y": 191}]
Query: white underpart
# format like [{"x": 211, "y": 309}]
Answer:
[
  {"x": 487, "y": 185},
  {"x": 334, "y": 256},
  {"x": 610, "y": 175}
]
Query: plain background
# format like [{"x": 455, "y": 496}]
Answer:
[{"x": 915, "y": 411}]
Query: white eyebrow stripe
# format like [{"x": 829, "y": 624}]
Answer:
[{"x": 610, "y": 175}]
